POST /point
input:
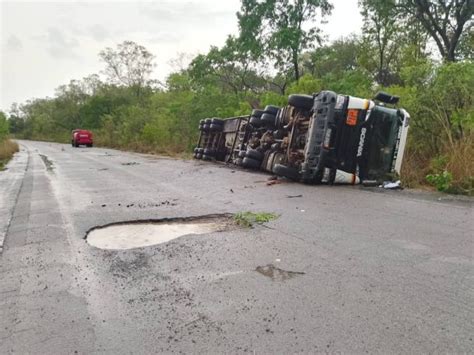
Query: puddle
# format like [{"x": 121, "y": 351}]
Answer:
[
  {"x": 277, "y": 274},
  {"x": 137, "y": 234}
]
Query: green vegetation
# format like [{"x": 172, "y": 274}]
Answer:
[
  {"x": 421, "y": 51},
  {"x": 248, "y": 219}
]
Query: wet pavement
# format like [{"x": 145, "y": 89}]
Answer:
[{"x": 341, "y": 270}]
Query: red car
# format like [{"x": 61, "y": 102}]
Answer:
[{"x": 81, "y": 137}]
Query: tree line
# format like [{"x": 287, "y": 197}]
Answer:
[{"x": 420, "y": 50}]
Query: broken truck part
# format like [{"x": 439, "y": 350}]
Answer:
[{"x": 321, "y": 138}]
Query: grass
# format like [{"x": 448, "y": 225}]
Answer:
[
  {"x": 7, "y": 149},
  {"x": 455, "y": 161},
  {"x": 248, "y": 219}
]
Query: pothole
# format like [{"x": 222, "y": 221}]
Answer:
[
  {"x": 138, "y": 234},
  {"x": 277, "y": 274}
]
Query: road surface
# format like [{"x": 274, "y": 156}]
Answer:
[{"x": 342, "y": 269}]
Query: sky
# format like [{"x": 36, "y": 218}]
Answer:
[{"x": 46, "y": 44}]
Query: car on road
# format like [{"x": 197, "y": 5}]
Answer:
[
  {"x": 321, "y": 138},
  {"x": 81, "y": 137}
]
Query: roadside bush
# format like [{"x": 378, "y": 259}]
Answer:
[{"x": 7, "y": 149}]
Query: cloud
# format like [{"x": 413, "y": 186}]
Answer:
[
  {"x": 59, "y": 45},
  {"x": 14, "y": 43},
  {"x": 99, "y": 32}
]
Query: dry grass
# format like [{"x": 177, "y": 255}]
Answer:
[
  {"x": 7, "y": 149},
  {"x": 457, "y": 159}
]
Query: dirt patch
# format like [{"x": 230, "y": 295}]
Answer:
[{"x": 277, "y": 274}]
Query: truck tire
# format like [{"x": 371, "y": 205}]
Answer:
[
  {"x": 251, "y": 163},
  {"x": 283, "y": 170},
  {"x": 217, "y": 121},
  {"x": 199, "y": 156},
  {"x": 209, "y": 152},
  {"x": 206, "y": 127},
  {"x": 257, "y": 113},
  {"x": 304, "y": 102},
  {"x": 206, "y": 157},
  {"x": 254, "y": 154},
  {"x": 271, "y": 109},
  {"x": 216, "y": 127},
  {"x": 241, "y": 154},
  {"x": 268, "y": 119},
  {"x": 208, "y": 121},
  {"x": 255, "y": 121}
]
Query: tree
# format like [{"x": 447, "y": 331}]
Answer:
[
  {"x": 130, "y": 64},
  {"x": 446, "y": 21},
  {"x": 3, "y": 126},
  {"x": 382, "y": 31},
  {"x": 281, "y": 29}
]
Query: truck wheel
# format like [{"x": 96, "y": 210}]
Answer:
[
  {"x": 251, "y": 163},
  {"x": 206, "y": 157},
  {"x": 273, "y": 110},
  {"x": 254, "y": 154},
  {"x": 217, "y": 121},
  {"x": 241, "y": 154},
  {"x": 215, "y": 127},
  {"x": 199, "y": 156},
  {"x": 90, "y": 145},
  {"x": 257, "y": 113},
  {"x": 209, "y": 152},
  {"x": 283, "y": 170},
  {"x": 72, "y": 143},
  {"x": 255, "y": 121},
  {"x": 304, "y": 102},
  {"x": 268, "y": 119}
]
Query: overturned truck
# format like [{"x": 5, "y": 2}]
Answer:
[{"x": 323, "y": 138}]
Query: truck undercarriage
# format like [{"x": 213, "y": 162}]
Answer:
[{"x": 323, "y": 138}]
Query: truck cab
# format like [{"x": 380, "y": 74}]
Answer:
[{"x": 351, "y": 140}]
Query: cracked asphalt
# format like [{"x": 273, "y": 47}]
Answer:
[{"x": 343, "y": 269}]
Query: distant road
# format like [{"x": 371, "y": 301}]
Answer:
[{"x": 343, "y": 269}]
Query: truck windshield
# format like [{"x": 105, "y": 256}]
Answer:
[{"x": 384, "y": 125}]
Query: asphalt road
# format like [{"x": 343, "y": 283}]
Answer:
[{"x": 356, "y": 270}]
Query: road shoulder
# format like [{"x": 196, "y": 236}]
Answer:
[{"x": 10, "y": 184}]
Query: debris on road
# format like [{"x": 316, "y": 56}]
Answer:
[{"x": 397, "y": 185}]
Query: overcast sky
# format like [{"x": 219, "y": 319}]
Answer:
[{"x": 46, "y": 44}]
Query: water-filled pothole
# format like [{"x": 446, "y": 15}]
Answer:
[{"x": 137, "y": 234}]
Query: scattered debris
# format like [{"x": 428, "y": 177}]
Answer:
[
  {"x": 392, "y": 185},
  {"x": 293, "y": 196},
  {"x": 131, "y": 163},
  {"x": 277, "y": 274},
  {"x": 274, "y": 182}
]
